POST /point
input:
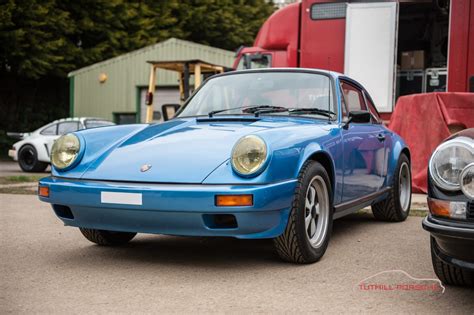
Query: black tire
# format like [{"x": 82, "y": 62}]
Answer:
[
  {"x": 294, "y": 244},
  {"x": 28, "y": 159},
  {"x": 390, "y": 209},
  {"x": 107, "y": 238},
  {"x": 449, "y": 274}
]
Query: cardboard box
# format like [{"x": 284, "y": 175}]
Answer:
[{"x": 413, "y": 60}]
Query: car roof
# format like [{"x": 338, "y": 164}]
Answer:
[
  {"x": 73, "y": 119},
  {"x": 335, "y": 75},
  {"x": 81, "y": 119},
  {"x": 296, "y": 70}
]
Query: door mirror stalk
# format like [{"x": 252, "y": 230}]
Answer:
[{"x": 357, "y": 116}]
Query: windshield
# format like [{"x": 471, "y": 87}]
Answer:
[
  {"x": 233, "y": 94},
  {"x": 93, "y": 123}
]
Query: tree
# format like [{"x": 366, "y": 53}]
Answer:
[
  {"x": 42, "y": 40},
  {"x": 52, "y": 37},
  {"x": 32, "y": 41},
  {"x": 223, "y": 23}
]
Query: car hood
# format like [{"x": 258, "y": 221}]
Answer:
[{"x": 179, "y": 151}]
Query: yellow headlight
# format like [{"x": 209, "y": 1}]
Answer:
[
  {"x": 65, "y": 151},
  {"x": 249, "y": 155}
]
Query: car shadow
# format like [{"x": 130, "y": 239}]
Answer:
[{"x": 195, "y": 252}]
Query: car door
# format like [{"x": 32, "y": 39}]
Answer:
[
  {"x": 385, "y": 135},
  {"x": 363, "y": 148}
]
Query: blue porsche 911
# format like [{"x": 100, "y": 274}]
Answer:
[{"x": 269, "y": 153}]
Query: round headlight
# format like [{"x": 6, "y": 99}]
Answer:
[
  {"x": 65, "y": 151},
  {"x": 249, "y": 155},
  {"x": 467, "y": 181},
  {"x": 449, "y": 160}
]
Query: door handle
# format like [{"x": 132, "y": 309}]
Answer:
[{"x": 381, "y": 137}]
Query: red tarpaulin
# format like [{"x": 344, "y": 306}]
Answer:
[{"x": 424, "y": 121}]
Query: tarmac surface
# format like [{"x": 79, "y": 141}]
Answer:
[
  {"x": 48, "y": 268},
  {"x": 11, "y": 168}
]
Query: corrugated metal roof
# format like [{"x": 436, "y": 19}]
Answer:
[{"x": 171, "y": 41}]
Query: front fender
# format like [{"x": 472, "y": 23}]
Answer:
[
  {"x": 97, "y": 141},
  {"x": 288, "y": 155}
]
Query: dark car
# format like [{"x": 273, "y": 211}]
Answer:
[{"x": 451, "y": 204}]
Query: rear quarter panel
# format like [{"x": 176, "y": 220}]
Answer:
[{"x": 395, "y": 146}]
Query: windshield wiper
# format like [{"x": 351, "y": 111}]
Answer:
[
  {"x": 308, "y": 110},
  {"x": 252, "y": 109},
  {"x": 210, "y": 114},
  {"x": 262, "y": 109}
]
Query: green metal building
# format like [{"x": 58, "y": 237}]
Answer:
[{"x": 115, "y": 89}]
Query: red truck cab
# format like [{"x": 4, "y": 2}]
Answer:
[
  {"x": 276, "y": 44},
  {"x": 366, "y": 41}
]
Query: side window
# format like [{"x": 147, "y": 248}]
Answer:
[
  {"x": 373, "y": 111},
  {"x": 353, "y": 97},
  {"x": 67, "y": 127},
  {"x": 50, "y": 131}
]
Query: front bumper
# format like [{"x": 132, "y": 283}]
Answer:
[
  {"x": 12, "y": 154},
  {"x": 175, "y": 209},
  {"x": 454, "y": 241}
]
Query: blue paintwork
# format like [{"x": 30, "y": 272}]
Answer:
[
  {"x": 181, "y": 207},
  {"x": 190, "y": 161}
]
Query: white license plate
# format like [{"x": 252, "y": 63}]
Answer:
[{"x": 121, "y": 198}]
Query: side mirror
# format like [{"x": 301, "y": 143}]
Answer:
[
  {"x": 169, "y": 110},
  {"x": 358, "y": 116}
]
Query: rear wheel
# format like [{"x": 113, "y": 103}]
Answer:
[
  {"x": 307, "y": 233},
  {"x": 28, "y": 160},
  {"x": 107, "y": 238},
  {"x": 449, "y": 274},
  {"x": 396, "y": 207}
]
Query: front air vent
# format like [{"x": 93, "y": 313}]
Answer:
[
  {"x": 470, "y": 211},
  {"x": 220, "y": 221},
  {"x": 63, "y": 212}
]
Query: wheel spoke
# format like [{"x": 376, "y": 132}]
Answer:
[
  {"x": 312, "y": 228},
  {"x": 307, "y": 220},
  {"x": 317, "y": 208},
  {"x": 313, "y": 193},
  {"x": 310, "y": 198}
]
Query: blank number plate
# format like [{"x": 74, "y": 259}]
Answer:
[{"x": 121, "y": 198}]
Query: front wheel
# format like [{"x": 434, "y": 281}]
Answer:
[
  {"x": 396, "y": 207},
  {"x": 449, "y": 274},
  {"x": 307, "y": 233},
  {"x": 28, "y": 160},
  {"x": 107, "y": 238}
]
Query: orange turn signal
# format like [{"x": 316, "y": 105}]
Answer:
[
  {"x": 234, "y": 200},
  {"x": 43, "y": 191},
  {"x": 439, "y": 207}
]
